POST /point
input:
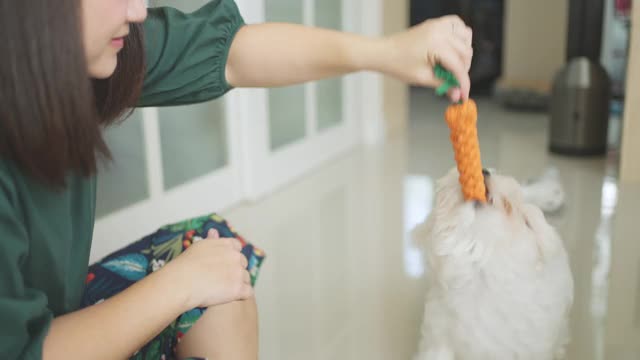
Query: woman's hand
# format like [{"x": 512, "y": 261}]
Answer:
[
  {"x": 412, "y": 55},
  {"x": 212, "y": 272},
  {"x": 209, "y": 272}
]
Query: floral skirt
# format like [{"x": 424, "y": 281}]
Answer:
[{"x": 124, "y": 267}]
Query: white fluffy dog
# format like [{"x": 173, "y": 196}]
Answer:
[{"x": 500, "y": 287}]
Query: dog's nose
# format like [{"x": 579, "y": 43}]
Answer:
[{"x": 486, "y": 174}]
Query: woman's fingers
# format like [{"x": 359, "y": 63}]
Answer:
[
  {"x": 452, "y": 62},
  {"x": 455, "y": 95},
  {"x": 246, "y": 292},
  {"x": 465, "y": 34},
  {"x": 464, "y": 51}
]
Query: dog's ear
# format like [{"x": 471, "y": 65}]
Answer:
[
  {"x": 549, "y": 243},
  {"x": 421, "y": 234},
  {"x": 423, "y": 238},
  {"x": 547, "y": 239}
]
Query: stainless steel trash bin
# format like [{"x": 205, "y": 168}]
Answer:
[{"x": 579, "y": 109}]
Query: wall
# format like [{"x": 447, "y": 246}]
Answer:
[
  {"x": 396, "y": 93},
  {"x": 534, "y": 41},
  {"x": 630, "y": 154},
  {"x": 533, "y": 53}
]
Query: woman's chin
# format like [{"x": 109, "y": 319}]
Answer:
[{"x": 103, "y": 69}]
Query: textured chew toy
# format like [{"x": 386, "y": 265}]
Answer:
[{"x": 462, "y": 120}]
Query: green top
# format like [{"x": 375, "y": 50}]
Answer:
[
  {"x": 449, "y": 81},
  {"x": 45, "y": 236}
]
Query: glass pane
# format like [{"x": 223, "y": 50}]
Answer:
[
  {"x": 286, "y": 115},
  {"x": 193, "y": 140},
  {"x": 185, "y": 6},
  {"x": 123, "y": 181},
  {"x": 329, "y": 14},
  {"x": 286, "y": 105},
  {"x": 284, "y": 10},
  {"x": 329, "y": 92}
]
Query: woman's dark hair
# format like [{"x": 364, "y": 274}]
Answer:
[{"x": 51, "y": 113}]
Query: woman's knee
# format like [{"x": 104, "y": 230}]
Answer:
[{"x": 228, "y": 331}]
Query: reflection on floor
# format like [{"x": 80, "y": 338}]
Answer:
[{"x": 343, "y": 281}]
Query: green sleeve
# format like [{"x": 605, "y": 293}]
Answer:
[
  {"x": 24, "y": 315},
  {"x": 187, "y": 53}
]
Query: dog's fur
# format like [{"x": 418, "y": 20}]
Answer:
[{"x": 500, "y": 287}]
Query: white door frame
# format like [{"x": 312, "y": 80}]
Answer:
[
  {"x": 222, "y": 188},
  {"x": 265, "y": 171}
]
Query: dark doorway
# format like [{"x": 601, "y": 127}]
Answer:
[{"x": 486, "y": 18}]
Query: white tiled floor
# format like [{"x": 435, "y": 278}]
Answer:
[{"x": 342, "y": 280}]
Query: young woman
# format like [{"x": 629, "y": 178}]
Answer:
[{"x": 70, "y": 67}]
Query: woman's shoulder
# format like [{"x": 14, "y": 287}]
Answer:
[{"x": 186, "y": 53}]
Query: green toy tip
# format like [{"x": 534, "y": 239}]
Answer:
[{"x": 448, "y": 78}]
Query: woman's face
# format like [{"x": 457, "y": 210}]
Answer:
[{"x": 106, "y": 25}]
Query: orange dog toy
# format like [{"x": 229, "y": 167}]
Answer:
[{"x": 462, "y": 120}]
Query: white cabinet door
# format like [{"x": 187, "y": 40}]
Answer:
[{"x": 291, "y": 130}]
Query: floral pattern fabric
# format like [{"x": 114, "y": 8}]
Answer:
[{"x": 124, "y": 267}]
